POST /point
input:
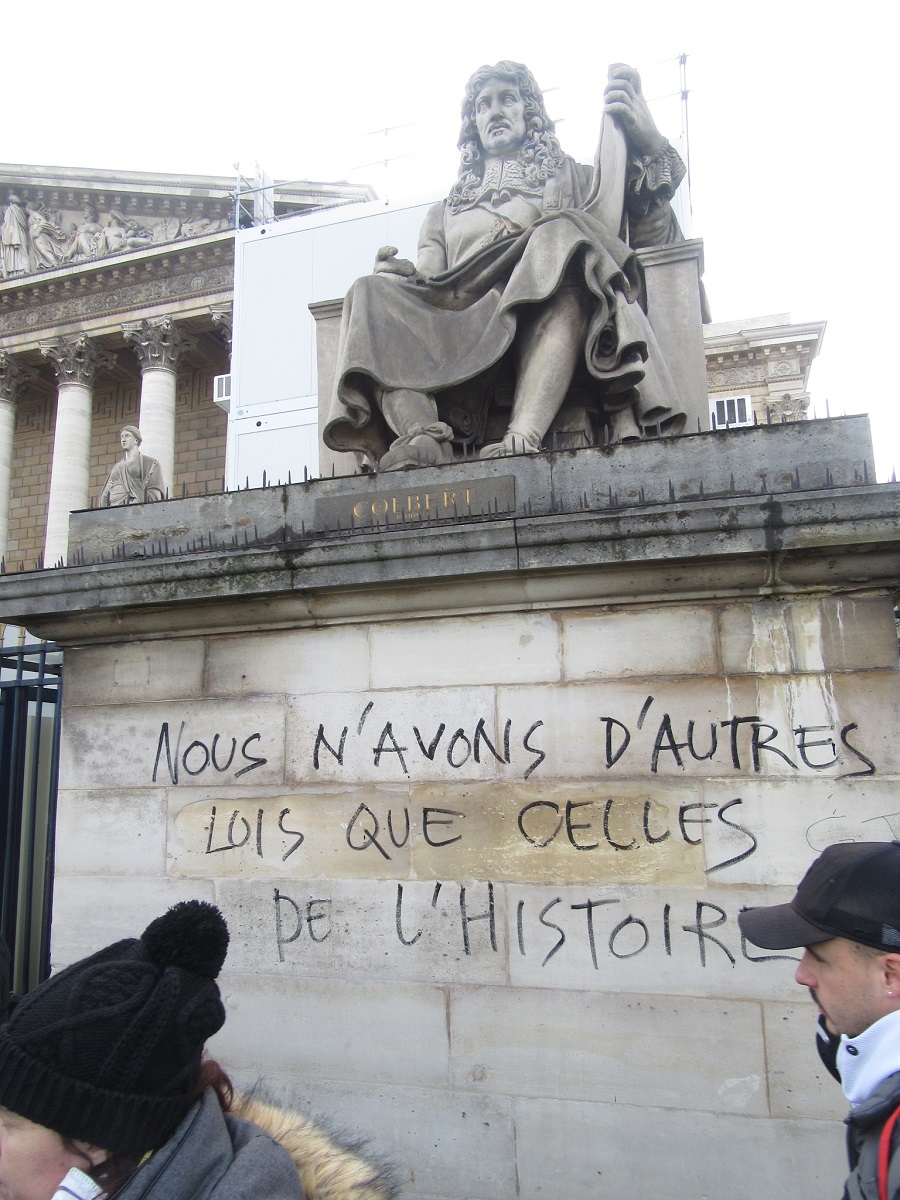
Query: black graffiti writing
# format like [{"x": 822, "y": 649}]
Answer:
[
  {"x": 455, "y": 746},
  {"x": 844, "y": 827},
  {"x": 239, "y": 830},
  {"x": 365, "y": 830},
  {"x": 314, "y": 917},
  {"x": 198, "y": 756},
  {"x": 599, "y": 931},
  {"x": 587, "y": 825},
  {"x": 748, "y": 743}
]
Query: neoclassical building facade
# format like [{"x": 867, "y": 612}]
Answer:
[
  {"x": 115, "y": 309},
  {"x": 757, "y": 369}
]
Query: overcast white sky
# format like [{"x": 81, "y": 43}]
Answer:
[{"x": 793, "y": 149}]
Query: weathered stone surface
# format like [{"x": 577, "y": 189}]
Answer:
[
  {"x": 474, "y": 650},
  {"x": 757, "y": 637},
  {"x": 799, "y": 1085},
  {"x": 137, "y": 672},
  {"x": 289, "y": 662},
  {"x": 858, "y": 633},
  {"x": 333, "y": 1029},
  {"x": 793, "y": 821},
  {"x": 133, "y": 824},
  {"x": 446, "y": 1145},
  {"x": 646, "y": 643},
  {"x": 571, "y": 1149},
  {"x": 177, "y": 743},
  {"x": 92, "y": 911},
  {"x": 691, "y": 1053}
]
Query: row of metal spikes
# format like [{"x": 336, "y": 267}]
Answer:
[{"x": 287, "y": 536}]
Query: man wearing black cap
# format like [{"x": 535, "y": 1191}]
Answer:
[{"x": 846, "y": 916}]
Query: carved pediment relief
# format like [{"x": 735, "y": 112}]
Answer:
[{"x": 37, "y": 237}]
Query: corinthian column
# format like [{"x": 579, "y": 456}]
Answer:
[
  {"x": 223, "y": 319},
  {"x": 159, "y": 345},
  {"x": 76, "y": 361},
  {"x": 12, "y": 377}
]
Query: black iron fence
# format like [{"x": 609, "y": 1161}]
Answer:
[{"x": 30, "y": 708}]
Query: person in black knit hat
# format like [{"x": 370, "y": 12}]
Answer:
[{"x": 104, "y": 1088}]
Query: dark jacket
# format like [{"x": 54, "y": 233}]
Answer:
[
  {"x": 864, "y": 1126},
  {"x": 4, "y": 980},
  {"x": 274, "y": 1155}
]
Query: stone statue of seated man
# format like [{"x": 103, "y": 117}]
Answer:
[{"x": 523, "y": 312}]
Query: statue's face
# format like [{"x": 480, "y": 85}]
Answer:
[
  {"x": 128, "y": 440},
  {"x": 500, "y": 117}
]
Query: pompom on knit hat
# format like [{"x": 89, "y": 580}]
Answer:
[{"x": 108, "y": 1051}]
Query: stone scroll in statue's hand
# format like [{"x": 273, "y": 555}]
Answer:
[{"x": 624, "y": 100}]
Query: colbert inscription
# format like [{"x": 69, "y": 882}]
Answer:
[{"x": 402, "y": 506}]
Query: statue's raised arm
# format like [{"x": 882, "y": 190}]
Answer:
[{"x": 521, "y": 316}]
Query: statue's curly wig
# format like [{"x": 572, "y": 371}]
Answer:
[{"x": 542, "y": 154}]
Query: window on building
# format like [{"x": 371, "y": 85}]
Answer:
[{"x": 725, "y": 412}]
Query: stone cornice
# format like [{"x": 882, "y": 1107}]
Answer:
[
  {"x": 96, "y": 185},
  {"x": 773, "y": 546},
  {"x": 87, "y": 295},
  {"x": 809, "y": 336},
  {"x": 686, "y": 518}
]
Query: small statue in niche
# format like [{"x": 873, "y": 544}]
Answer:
[
  {"x": 526, "y": 284},
  {"x": 83, "y": 246},
  {"x": 45, "y": 238},
  {"x": 14, "y": 257},
  {"x": 137, "y": 478}
]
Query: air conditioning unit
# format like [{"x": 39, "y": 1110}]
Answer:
[
  {"x": 222, "y": 391},
  {"x": 730, "y": 412}
]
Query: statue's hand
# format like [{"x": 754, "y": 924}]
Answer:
[
  {"x": 624, "y": 100},
  {"x": 387, "y": 263}
]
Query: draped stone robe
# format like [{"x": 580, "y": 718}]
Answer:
[{"x": 515, "y": 243}]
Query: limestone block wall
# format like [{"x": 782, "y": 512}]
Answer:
[{"x": 482, "y": 872}]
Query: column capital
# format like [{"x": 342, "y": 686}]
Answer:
[
  {"x": 14, "y": 374},
  {"x": 158, "y": 343},
  {"x": 77, "y": 359},
  {"x": 222, "y": 315}
]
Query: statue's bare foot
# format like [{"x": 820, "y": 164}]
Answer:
[
  {"x": 420, "y": 450},
  {"x": 513, "y": 443}
]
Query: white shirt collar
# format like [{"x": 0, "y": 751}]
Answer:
[
  {"x": 864, "y": 1061},
  {"x": 77, "y": 1186}
]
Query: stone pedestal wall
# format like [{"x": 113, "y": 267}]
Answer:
[
  {"x": 483, "y": 872},
  {"x": 481, "y": 804}
]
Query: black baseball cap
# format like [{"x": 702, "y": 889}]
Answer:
[{"x": 852, "y": 891}]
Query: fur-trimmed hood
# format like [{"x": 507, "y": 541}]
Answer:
[
  {"x": 329, "y": 1168},
  {"x": 257, "y": 1150}
]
